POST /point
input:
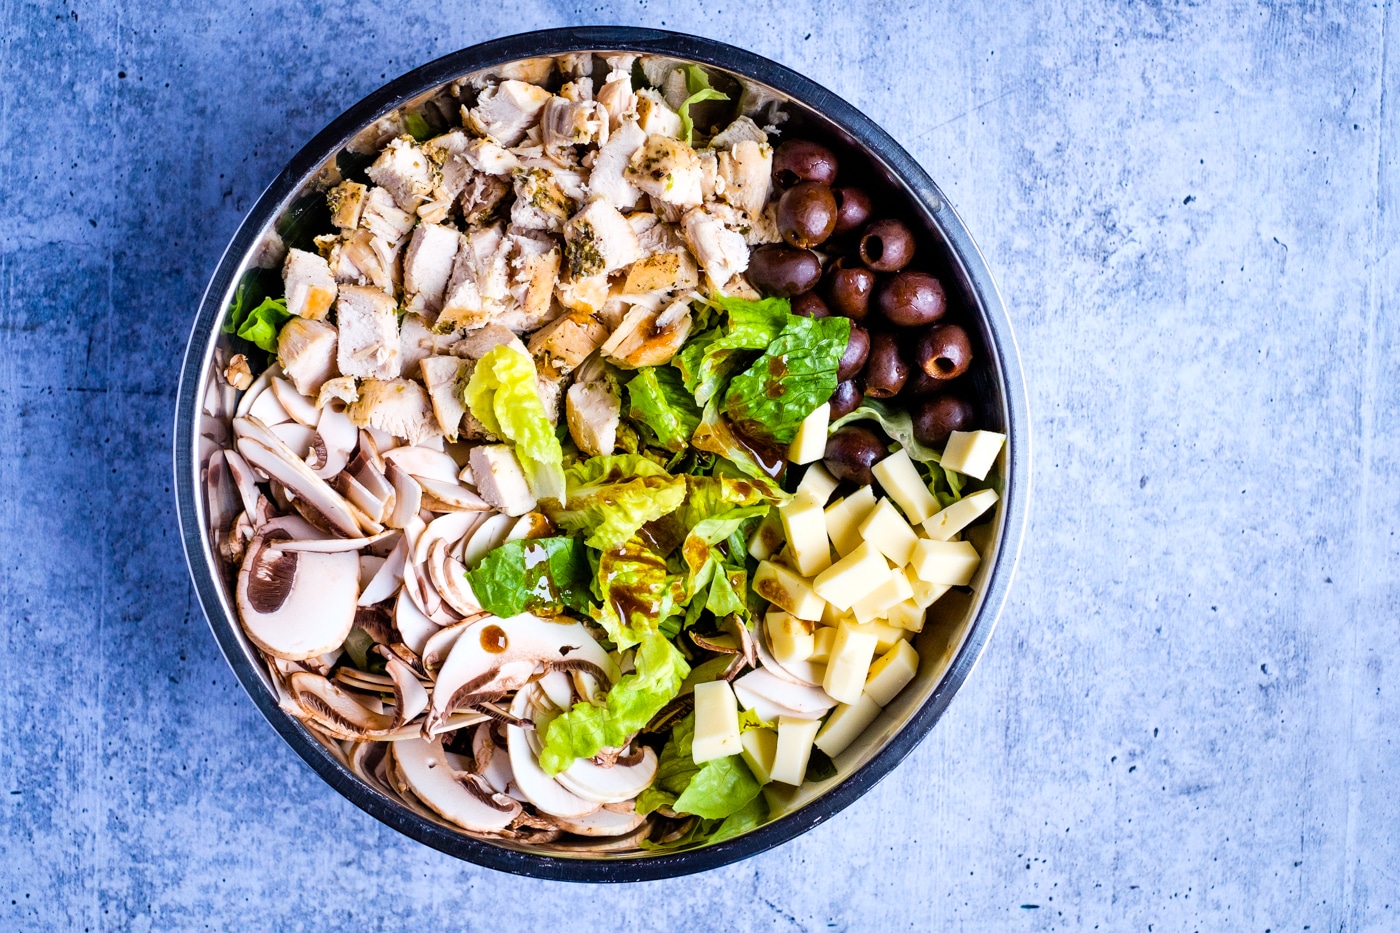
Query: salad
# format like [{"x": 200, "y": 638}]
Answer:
[{"x": 601, "y": 448}]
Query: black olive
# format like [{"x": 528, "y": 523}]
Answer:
[
  {"x": 806, "y": 214},
  {"x": 850, "y": 453},
  {"x": 783, "y": 271},
  {"x": 885, "y": 370},
  {"x": 886, "y": 246},
  {"x": 940, "y": 416},
  {"x": 852, "y": 208},
  {"x": 810, "y": 304},
  {"x": 799, "y": 160},
  {"x": 857, "y": 349},
  {"x": 848, "y": 289},
  {"x": 845, "y": 399},
  {"x": 911, "y": 299},
  {"x": 943, "y": 352}
]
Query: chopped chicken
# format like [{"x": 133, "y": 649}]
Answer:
[
  {"x": 561, "y": 346},
  {"x": 395, "y": 406},
  {"x": 480, "y": 279},
  {"x": 306, "y": 350},
  {"x": 346, "y": 201},
  {"x": 617, "y": 98},
  {"x": 668, "y": 170},
  {"x": 442, "y": 375},
  {"x": 534, "y": 268},
  {"x": 383, "y": 218},
  {"x": 310, "y": 287},
  {"x": 740, "y": 130},
  {"x": 565, "y": 124},
  {"x": 483, "y": 198},
  {"x": 722, "y": 252},
  {"x": 490, "y": 158},
  {"x": 599, "y": 240},
  {"x": 655, "y": 117},
  {"x": 341, "y": 388},
  {"x": 475, "y": 344},
  {"x": 594, "y": 411},
  {"x": 369, "y": 333},
  {"x": 551, "y": 392},
  {"x": 747, "y": 172},
  {"x": 500, "y": 478},
  {"x": 506, "y": 111},
  {"x": 540, "y": 201},
  {"x": 427, "y": 265},
  {"x": 405, "y": 172},
  {"x": 711, "y": 184},
  {"x": 607, "y": 178},
  {"x": 416, "y": 343},
  {"x": 587, "y": 294},
  {"x": 454, "y": 172},
  {"x": 576, "y": 64},
  {"x": 645, "y": 338},
  {"x": 360, "y": 258}
]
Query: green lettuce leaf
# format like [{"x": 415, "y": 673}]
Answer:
[
  {"x": 539, "y": 573},
  {"x": 263, "y": 323},
  {"x": 610, "y": 498},
  {"x": 716, "y": 508},
  {"x": 795, "y": 374},
  {"x": 896, "y": 422},
  {"x": 758, "y": 461},
  {"x": 631, "y": 703},
  {"x": 658, "y": 401},
  {"x": 750, "y": 816},
  {"x": 713, "y": 791},
  {"x": 709, "y": 358},
  {"x": 638, "y": 593},
  {"x": 503, "y": 395},
  {"x": 697, "y": 85}
]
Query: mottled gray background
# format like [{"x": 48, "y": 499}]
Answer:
[{"x": 1186, "y": 718}]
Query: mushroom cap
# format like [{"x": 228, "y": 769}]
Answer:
[
  {"x": 423, "y": 767},
  {"x": 296, "y": 605},
  {"x": 772, "y": 697},
  {"x": 609, "y": 785},
  {"x": 603, "y": 822},
  {"x": 539, "y": 788}
]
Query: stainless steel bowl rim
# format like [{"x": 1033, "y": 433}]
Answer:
[{"x": 879, "y": 145}]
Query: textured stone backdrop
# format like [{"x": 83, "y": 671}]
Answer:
[{"x": 1186, "y": 719}]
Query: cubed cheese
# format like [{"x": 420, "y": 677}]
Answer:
[
  {"x": 886, "y": 635},
  {"x": 845, "y": 723},
  {"x": 972, "y": 453},
  {"x": 950, "y": 562},
  {"x": 941, "y": 526},
  {"x": 874, "y": 605},
  {"x": 760, "y": 750},
  {"x": 902, "y": 483},
  {"x": 805, "y": 528},
  {"x": 925, "y": 594},
  {"x": 767, "y": 537},
  {"x": 790, "y": 638},
  {"x": 817, "y": 484},
  {"x": 890, "y": 672},
  {"x": 786, "y": 590},
  {"x": 794, "y": 748},
  {"x": 810, "y": 442},
  {"x": 716, "y": 722},
  {"x": 822, "y": 639},
  {"x": 833, "y": 617},
  {"x": 851, "y": 654},
  {"x": 885, "y": 528},
  {"x": 908, "y": 615},
  {"x": 854, "y": 576},
  {"x": 843, "y": 519}
]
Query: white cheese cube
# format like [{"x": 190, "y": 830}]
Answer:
[
  {"x": 972, "y": 453},
  {"x": 790, "y": 638},
  {"x": 886, "y": 635},
  {"x": 833, "y": 617},
  {"x": 843, "y": 519},
  {"x": 810, "y": 443},
  {"x": 822, "y": 639},
  {"x": 893, "y": 591},
  {"x": 901, "y": 481},
  {"x": 950, "y": 562},
  {"x": 760, "y": 750},
  {"x": 891, "y": 672},
  {"x": 845, "y": 723},
  {"x": 925, "y": 594},
  {"x": 908, "y": 615},
  {"x": 805, "y": 527},
  {"x": 942, "y": 526},
  {"x": 817, "y": 484},
  {"x": 767, "y": 537},
  {"x": 794, "y": 749},
  {"x": 885, "y": 528},
  {"x": 851, "y": 654},
  {"x": 786, "y": 590},
  {"x": 854, "y": 576},
  {"x": 716, "y": 722}
]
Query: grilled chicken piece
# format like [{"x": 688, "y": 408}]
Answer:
[
  {"x": 560, "y": 347},
  {"x": 369, "y": 333},
  {"x": 404, "y": 170},
  {"x": 722, "y": 252},
  {"x": 747, "y": 172},
  {"x": 306, "y": 351},
  {"x": 443, "y": 376},
  {"x": 534, "y": 268},
  {"x": 416, "y": 343},
  {"x": 482, "y": 199},
  {"x": 506, "y": 111},
  {"x": 740, "y": 130},
  {"x": 607, "y": 179},
  {"x": 586, "y": 295},
  {"x": 668, "y": 170},
  {"x": 341, "y": 388},
  {"x": 310, "y": 287},
  {"x": 655, "y": 117},
  {"x": 617, "y": 98},
  {"x": 598, "y": 240},
  {"x": 500, "y": 478},
  {"x": 566, "y": 123},
  {"x": 594, "y": 411},
  {"x": 361, "y": 258},
  {"x": 383, "y": 218},
  {"x": 540, "y": 200},
  {"x": 475, "y": 344},
  {"x": 490, "y": 158},
  {"x": 645, "y": 338},
  {"x": 427, "y": 265},
  {"x": 346, "y": 200},
  {"x": 480, "y": 279},
  {"x": 395, "y": 406}
]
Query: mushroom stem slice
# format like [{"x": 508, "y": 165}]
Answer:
[
  {"x": 266, "y": 451},
  {"x": 424, "y": 769},
  {"x": 410, "y": 698}
]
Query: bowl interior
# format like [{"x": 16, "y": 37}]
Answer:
[{"x": 292, "y": 210}]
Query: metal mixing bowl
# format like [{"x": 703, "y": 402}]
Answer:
[{"x": 959, "y": 625}]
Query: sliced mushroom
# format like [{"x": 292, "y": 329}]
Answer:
[
  {"x": 450, "y": 529},
  {"x": 451, "y": 496},
  {"x": 539, "y": 788},
  {"x": 439, "y": 643},
  {"x": 420, "y": 461},
  {"x": 609, "y": 785},
  {"x": 492, "y": 761},
  {"x": 450, "y": 578},
  {"x": 770, "y": 697},
  {"x": 330, "y": 545},
  {"x": 335, "y": 710},
  {"x": 267, "y": 409},
  {"x": 414, "y": 627},
  {"x": 425, "y": 770},
  {"x": 255, "y": 391},
  {"x": 604, "y": 822},
  {"x": 296, "y": 605},
  {"x": 387, "y": 579},
  {"x": 802, "y": 673},
  {"x": 301, "y": 409},
  {"x": 244, "y": 480},
  {"x": 410, "y": 698},
  {"x": 265, "y": 451},
  {"x": 408, "y": 496},
  {"x": 332, "y": 443},
  {"x": 736, "y": 629},
  {"x": 486, "y": 537}
]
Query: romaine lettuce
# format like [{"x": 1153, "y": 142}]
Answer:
[
  {"x": 697, "y": 85},
  {"x": 709, "y": 358},
  {"x": 795, "y": 374},
  {"x": 637, "y": 592},
  {"x": 713, "y": 791},
  {"x": 538, "y": 573},
  {"x": 503, "y": 395},
  {"x": 896, "y": 423},
  {"x": 610, "y": 498},
  {"x": 658, "y": 401}
]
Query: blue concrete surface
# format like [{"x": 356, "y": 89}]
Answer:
[{"x": 1187, "y": 718}]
